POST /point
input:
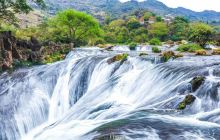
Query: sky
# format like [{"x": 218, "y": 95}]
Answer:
[{"x": 195, "y": 5}]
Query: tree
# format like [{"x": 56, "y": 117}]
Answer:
[
  {"x": 158, "y": 30},
  {"x": 74, "y": 26},
  {"x": 8, "y": 8},
  {"x": 179, "y": 29},
  {"x": 133, "y": 23},
  {"x": 200, "y": 33}
]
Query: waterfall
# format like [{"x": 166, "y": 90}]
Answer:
[{"x": 84, "y": 97}]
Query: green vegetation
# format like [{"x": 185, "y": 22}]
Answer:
[
  {"x": 189, "y": 48},
  {"x": 158, "y": 30},
  {"x": 132, "y": 46},
  {"x": 8, "y": 9},
  {"x": 189, "y": 99},
  {"x": 200, "y": 33},
  {"x": 156, "y": 49},
  {"x": 155, "y": 41},
  {"x": 74, "y": 26}
]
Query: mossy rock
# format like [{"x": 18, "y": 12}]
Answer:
[
  {"x": 167, "y": 55},
  {"x": 189, "y": 99},
  {"x": 143, "y": 54},
  {"x": 119, "y": 57},
  {"x": 201, "y": 52},
  {"x": 196, "y": 82}
]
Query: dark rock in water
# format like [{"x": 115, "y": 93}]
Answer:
[
  {"x": 143, "y": 54},
  {"x": 197, "y": 82},
  {"x": 189, "y": 99},
  {"x": 119, "y": 57}
]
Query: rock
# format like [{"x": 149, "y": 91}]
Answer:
[
  {"x": 167, "y": 55},
  {"x": 143, "y": 54},
  {"x": 35, "y": 44},
  {"x": 201, "y": 52},
  {"x": 119, "y": 57},
  {"x": 216, "y": 51},
  {"x": 189, "y": 99},
  {"x": 196, "y": 82}
]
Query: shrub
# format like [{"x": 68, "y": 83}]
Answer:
[
  {"x": 189, "y": 48},
  {"x": 201, "y": 52},
  {"x": 155, "y": 41},
  {"x": 156, "y": 49},
  {"x": 119, "y": 57},
  {"x": 132, "y": 46}
]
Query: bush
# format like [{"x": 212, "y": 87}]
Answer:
[
  {"x": 155, "y": 41},
  {"x": 156, "y": 49},
  {"x": 132, "y": 46},
  {"x": 189, "y": 48}
]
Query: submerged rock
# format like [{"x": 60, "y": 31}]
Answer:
[
  {"x": 196, "y": 82},
  {"x": 189, "y": 99},
  {"x": 119, "y": 57}
]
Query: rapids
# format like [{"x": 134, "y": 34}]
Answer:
[{"x": 85, "y": 98}]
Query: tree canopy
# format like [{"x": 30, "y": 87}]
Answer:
[
  {"x": 200, "y": 33},
  {"x": 8, "y": 8},
  {"x": 74, "y": 26}
]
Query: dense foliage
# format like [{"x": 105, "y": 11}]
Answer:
[
  {"x": 74, "y": 26},
  {"x": 8, "y": 9}
]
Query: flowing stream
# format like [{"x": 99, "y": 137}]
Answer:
[{"x": 85, "y": 98}]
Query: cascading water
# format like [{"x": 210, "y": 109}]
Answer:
[{"x": 85, "y": 98}]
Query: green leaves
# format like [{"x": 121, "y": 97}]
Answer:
[
  {"x": 8, "y": 9},
  {"x": 74, "y": 26},
  {"x": 200, "y": 33}
]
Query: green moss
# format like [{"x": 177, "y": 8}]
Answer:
[
  {"x": 119, "y": 57},
  {"x": 167, "y": 55},
  {"x": 189, "y": 99},
  {"x": 156, "y": 49},
  {"x": 189, "y": 48}
]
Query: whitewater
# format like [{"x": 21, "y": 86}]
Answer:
[{"x": 85, "y": 98}]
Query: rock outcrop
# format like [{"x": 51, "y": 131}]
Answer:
[{"x": 13, "y": 51}]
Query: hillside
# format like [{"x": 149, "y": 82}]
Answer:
[{"x": 101, "y": 8}]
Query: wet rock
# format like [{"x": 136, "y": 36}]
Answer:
[
  {"x": 196, "y": 82},
  {"x": 119, "y": 57},
  {"x": 189, "y": 99},
  {"x": 143, "y": 54}
]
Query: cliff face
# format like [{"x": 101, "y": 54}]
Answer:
[{"x": 8, "y": 50}]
